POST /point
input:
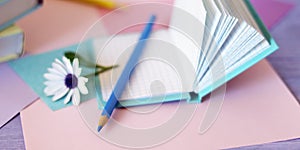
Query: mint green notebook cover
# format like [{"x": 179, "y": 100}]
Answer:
[{"x": 193, "y": 97}]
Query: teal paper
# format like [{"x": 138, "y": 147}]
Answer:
[{"x": 32, "y": 68}]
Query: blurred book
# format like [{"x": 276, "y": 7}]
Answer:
[
  {"x": 11, "y": 43},
  {"x": 13, "y": 10},
  {"x": 11, "y": 36}
]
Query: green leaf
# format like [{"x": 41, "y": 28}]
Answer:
[
  {"x": 102, "y": 70},
  {"x": 70, "y": 55}
]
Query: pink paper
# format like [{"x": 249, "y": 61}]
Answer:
[
  {"x": 134, "y": 16},
  {"x": 57, "y": 24},
  {"x": 252, "y": 113},
  {"x": 47, "y": 29},
  {"x": 271, "y": 11},
  {"x": 61, "y": 23},
  {"x": 54, "y": 26}
]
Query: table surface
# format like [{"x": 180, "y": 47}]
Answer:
[{"x": 285, "y": 61}]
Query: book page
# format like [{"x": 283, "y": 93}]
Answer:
[
  {"x": 244, "y": 43},
  {"x": 187, "y": 28},
  {"x": 161, "y": 70},
  {"x": 169, "y": 60}
]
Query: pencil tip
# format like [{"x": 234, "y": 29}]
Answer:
[{"x": 99, "y": 128}]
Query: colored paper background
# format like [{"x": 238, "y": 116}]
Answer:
[
  {"x": 251, "y": 114},
  {"x": 62, "y": 31},
  {"x": 271, "y": 11},
  {"x": 32, "y": 68}
]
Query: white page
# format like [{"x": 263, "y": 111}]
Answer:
[
  {"x": 220, "y": 68},
  {"x": 225, "y": 26},
  {"x": 211, "y": 24},
  {"x": 174, "y": 72},
  {"x": 243, "y": 44},
  {"x": 187, "y": 27},
  {"x": 159, "y": 71}
]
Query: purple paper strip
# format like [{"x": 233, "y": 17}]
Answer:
[
  {"x": 271, "y": 11},
  {"x": 14, "y": 94}
]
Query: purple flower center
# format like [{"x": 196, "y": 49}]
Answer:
[{"x": 71, "y": 81}]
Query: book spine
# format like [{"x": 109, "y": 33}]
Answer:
[
  {"x": 258, "y": 20},
  {"x": 17, "y": 52}
]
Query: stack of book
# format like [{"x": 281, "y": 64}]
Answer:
[{"x": 11, "y": 36}]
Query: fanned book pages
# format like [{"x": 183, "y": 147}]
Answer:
[{"x": 189, "y": 59}]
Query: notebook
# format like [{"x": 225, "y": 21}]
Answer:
[
  {"x": 258, "y": 108},
  {"x": 188, "y": 60}
]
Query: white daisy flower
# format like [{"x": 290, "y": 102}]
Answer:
[{"x": 64, "y": 80}]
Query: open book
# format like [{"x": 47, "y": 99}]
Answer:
[{"x": 189, "y": 59}]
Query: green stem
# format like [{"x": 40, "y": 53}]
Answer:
[
  {"x": 102, "y": 70},
  {"x": 71, "y": 55},
  {"x": 88, "y": 64},
  {"x": 105, "y": 69}
]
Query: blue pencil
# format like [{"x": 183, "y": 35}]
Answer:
[{"x": 122, "y": 81}]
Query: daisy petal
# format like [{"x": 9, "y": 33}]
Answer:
[
  {"x": 68, "y": 97},
  {"x": 84, "y": 79},
  {"x": 68, "y": 64},
  {"x": 53, "y": 77},
  {"x": 51, "y": 90},
  {"x": 54, "y": 83},
  {"x": 59, "y": 94},
  {"x": 81, "y": 86},
  {"x": 76, "y": 69},
  {"x": 56, "y": 72},
  {"x": 59, "y": 62},
  {"x": 59, "y": 68},
  {"x": 76, "y": 97}
]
